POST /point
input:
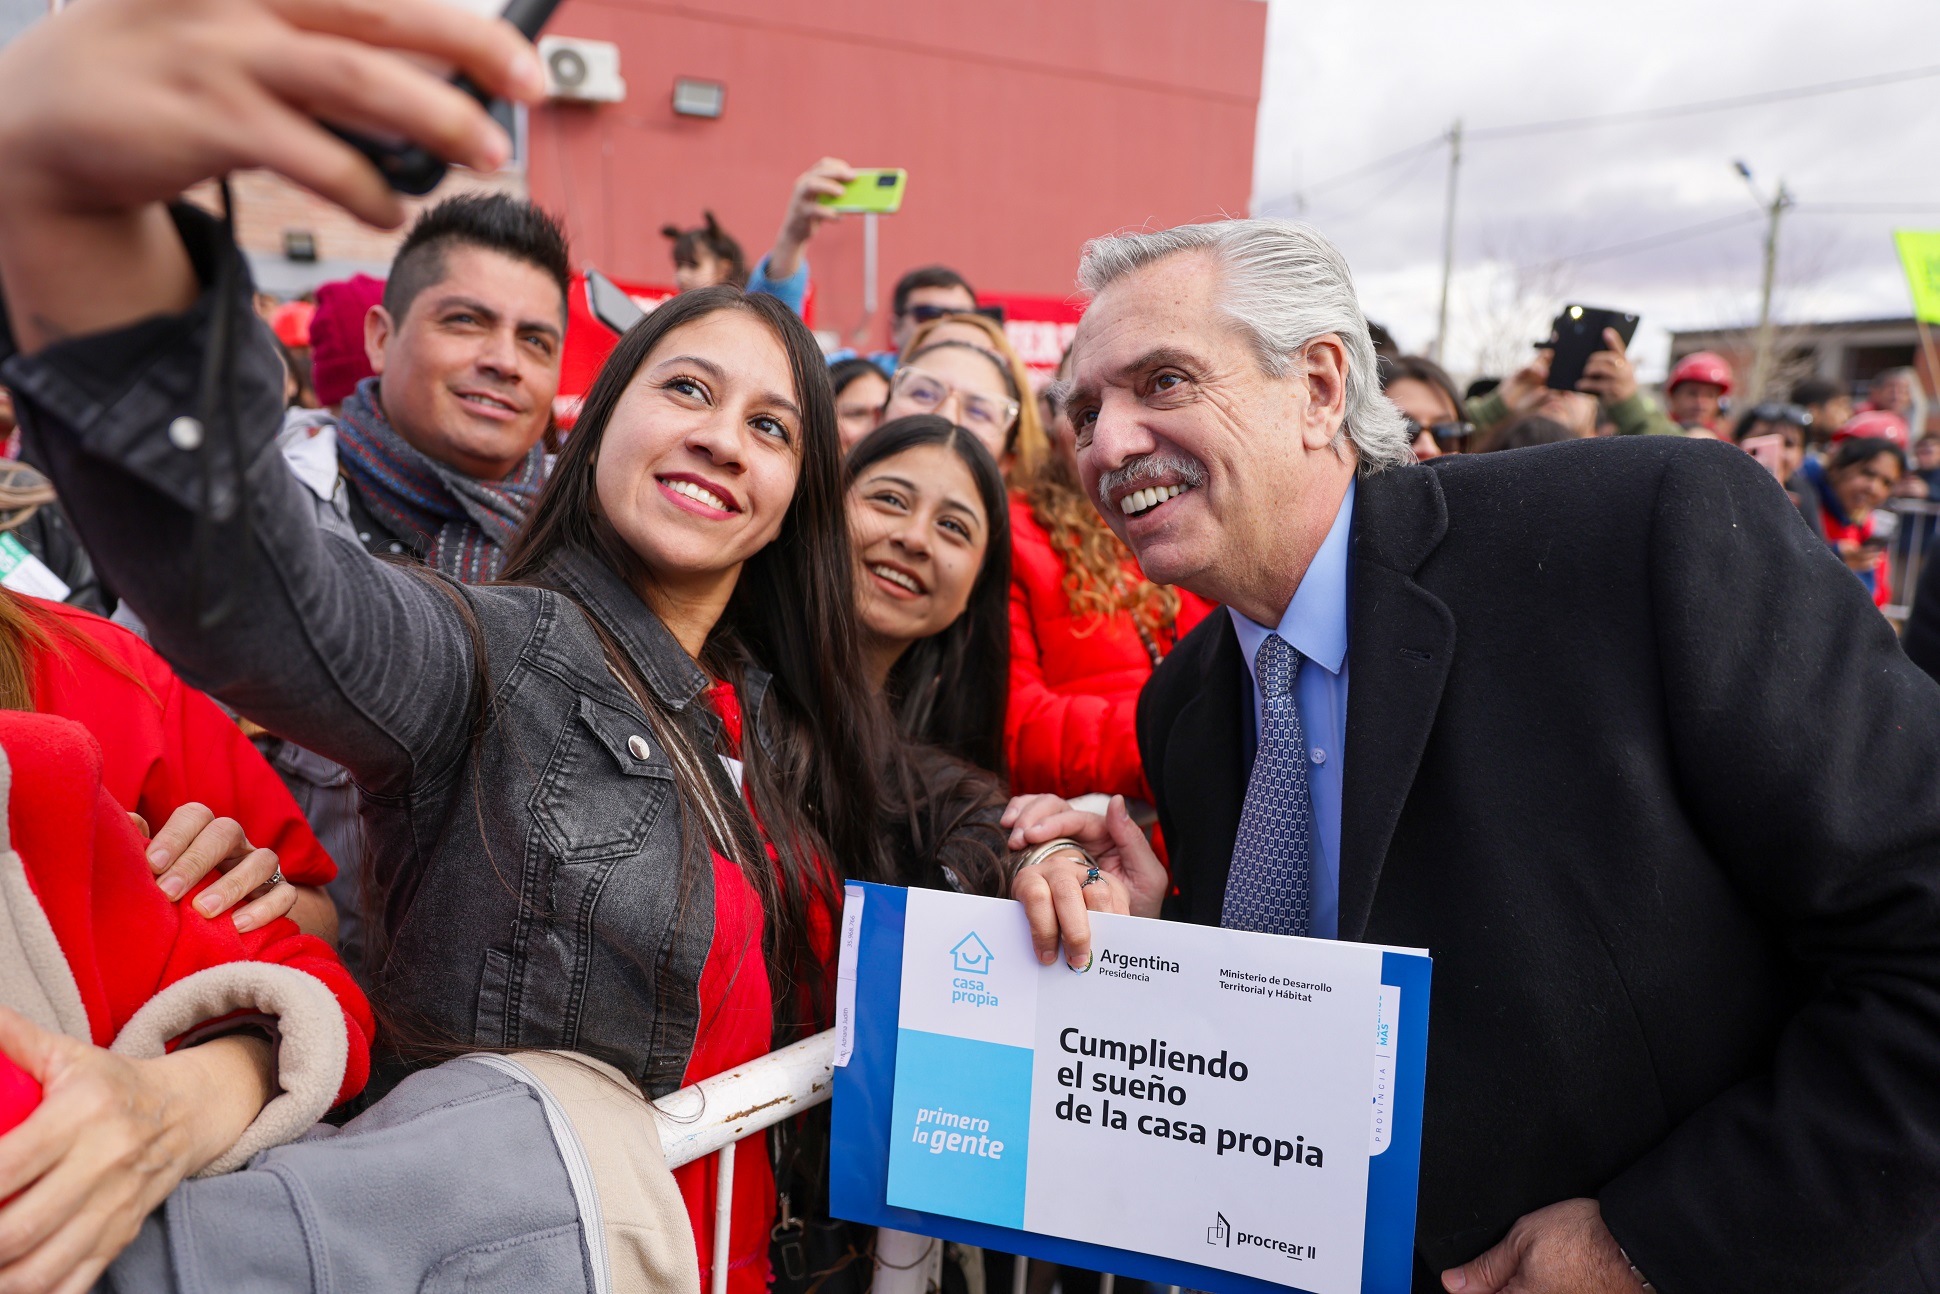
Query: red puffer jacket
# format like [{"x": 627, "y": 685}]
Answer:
[{"x": 1073, "y": 685}]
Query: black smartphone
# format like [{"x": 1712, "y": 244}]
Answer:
[
  {"x": 609, "y": 304},
  {"x": 1577, "y": 335},
  {"x": 413, "y": 170}
]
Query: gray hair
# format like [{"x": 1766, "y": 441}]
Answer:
[{"x": 1284, "y": 286}]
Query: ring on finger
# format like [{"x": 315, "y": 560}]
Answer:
[
  {"x": 1091, "y": 876},
  {"x": 275, "y": 879}
]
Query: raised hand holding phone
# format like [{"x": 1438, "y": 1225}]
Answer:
[
  {"x": 410, "y": 167},
  {"x": 111, "y": 108}
]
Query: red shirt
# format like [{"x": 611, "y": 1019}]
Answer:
[
  {"x": 737, "y": 1025},
  {"x": 164, "y": 744},
  {"x": 1881, "y": 582}
]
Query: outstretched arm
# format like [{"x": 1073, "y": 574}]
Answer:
[{"x": 108, "y": 109}]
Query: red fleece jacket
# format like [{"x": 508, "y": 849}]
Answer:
[
  {"x": 163, "y": 743},
  {"x": 125, "y": 946},
  {"x": 1074, "y": 682}
]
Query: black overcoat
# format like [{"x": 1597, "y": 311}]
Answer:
[{"x": 1634, "y": 756}]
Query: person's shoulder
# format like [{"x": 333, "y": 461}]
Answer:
[
  {"x": 1030, "y": 542},
  {"x": 1196, "y": 654},
  {"x": 1614, "y": 476},
  {"x": 118, "y": 641}
]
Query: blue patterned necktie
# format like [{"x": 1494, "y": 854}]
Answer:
[{"x": 1270, "y": 885}]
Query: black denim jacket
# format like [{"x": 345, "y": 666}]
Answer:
[{"x": 533, "y": 858}]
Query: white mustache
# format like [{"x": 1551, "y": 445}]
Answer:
[{"x": 1150, "y": 467}]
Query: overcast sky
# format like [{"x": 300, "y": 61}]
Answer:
[{"x": 1348, "y": 83}]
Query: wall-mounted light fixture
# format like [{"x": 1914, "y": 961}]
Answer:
[
  {"x": 300, "y": 245},
  {"x": 699, "y": 98}
]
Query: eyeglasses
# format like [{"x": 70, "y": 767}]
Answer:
[
  {"x": 1445, "y": 433},
  {"x": 929, "y": 393},
  {"x": 925, "y": 314}
]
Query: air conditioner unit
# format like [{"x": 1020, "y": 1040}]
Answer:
[{"x": 582, "y": 71}]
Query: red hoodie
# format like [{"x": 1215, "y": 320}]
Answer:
[
  {"x": 96, "y": 951},
  {"x": 163, "y": 743}
]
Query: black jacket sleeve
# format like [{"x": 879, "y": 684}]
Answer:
[
  {"x": 361, "y": 661},
  {"x": 1800, "y": 735}
]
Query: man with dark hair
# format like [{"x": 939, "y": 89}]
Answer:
[
  {"x": 925, "y": 294},
  {"x": 438, "y": 456},
  {"x": 441, "y": 449}
]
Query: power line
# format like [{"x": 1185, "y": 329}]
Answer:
[
  {"x": 1379, "y": 164},
  {"x": 1618, "y": 118},
  {"x": 1406, "y": 178},
  {"x": 1655, "y": 240},
  {"x": 1864, "y": 208},
  {"x": 1708, "y": 105}
]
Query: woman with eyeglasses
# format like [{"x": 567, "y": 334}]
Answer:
[{"x": 960, "y": 380}]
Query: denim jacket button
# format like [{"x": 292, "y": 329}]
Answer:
[{"x": 638, "y": 746}]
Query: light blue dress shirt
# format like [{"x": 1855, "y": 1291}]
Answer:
[{"x": 1315, "y": 625}]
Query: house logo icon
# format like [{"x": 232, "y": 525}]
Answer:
[
  {"x": 971, "y": 955},
  {"x": 1220, "y": 1232}
]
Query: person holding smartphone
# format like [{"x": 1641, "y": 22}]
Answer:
[
  {"x": 1775, "y": 434},
  {"x": 1608, "y": 376}
]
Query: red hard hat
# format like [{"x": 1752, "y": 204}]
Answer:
[
  {"x": 1701, "y": 366},
  {"x": 1876, "y": 424}
]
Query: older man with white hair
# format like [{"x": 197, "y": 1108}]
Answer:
[{"x": 1628, "y": 751}]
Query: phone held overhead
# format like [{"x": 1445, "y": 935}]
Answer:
[
  {"x": 878, "y": 192},
  {"x": 1578, "y": 334}
]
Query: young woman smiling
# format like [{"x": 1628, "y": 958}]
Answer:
[
  {"x": 559, "y": 769},
  {"x": 932, "y": 541},
  {"x": 562, "y": 855}
]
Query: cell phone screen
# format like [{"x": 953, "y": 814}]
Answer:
[{"x": 1577, "y": 335}]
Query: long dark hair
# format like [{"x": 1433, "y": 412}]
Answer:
[
  {"x": 950, "y": 690},
  {"x": 812, "y": 763}
]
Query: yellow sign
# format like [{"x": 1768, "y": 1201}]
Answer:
[{"x": 1920, "y": 257}]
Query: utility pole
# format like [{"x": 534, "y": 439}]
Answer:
[
  {"x": 1448, "y": 237},
  {"x": 1764, "y": 358}
]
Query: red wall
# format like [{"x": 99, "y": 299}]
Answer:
[{"x": 1027, "y": 126}]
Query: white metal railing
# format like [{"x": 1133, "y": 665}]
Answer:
[{"x": 715, "y": 1113}]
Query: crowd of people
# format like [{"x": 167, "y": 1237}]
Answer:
[{"x": 404, "y": 786}]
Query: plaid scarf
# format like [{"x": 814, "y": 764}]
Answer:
[{"x": 462, "y": 525}]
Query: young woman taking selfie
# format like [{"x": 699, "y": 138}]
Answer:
[{"x": 563, "y": 856}]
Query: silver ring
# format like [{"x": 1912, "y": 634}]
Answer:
[
  {"x": 275, "y": 878},
  {"x": 1091, "y": 877}
]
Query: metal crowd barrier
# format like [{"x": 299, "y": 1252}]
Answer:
[
  {"x": 1907, "y": 550},
  {"x": 714, "y": 1114}
]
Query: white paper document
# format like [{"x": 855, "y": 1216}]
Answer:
[{"x": 1201, "y": 1094}]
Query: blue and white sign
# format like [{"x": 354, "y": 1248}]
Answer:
[{"x": 1204, "y": 1107}]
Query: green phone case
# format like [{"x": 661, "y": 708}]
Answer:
[{"x": 880, "y": 191}]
